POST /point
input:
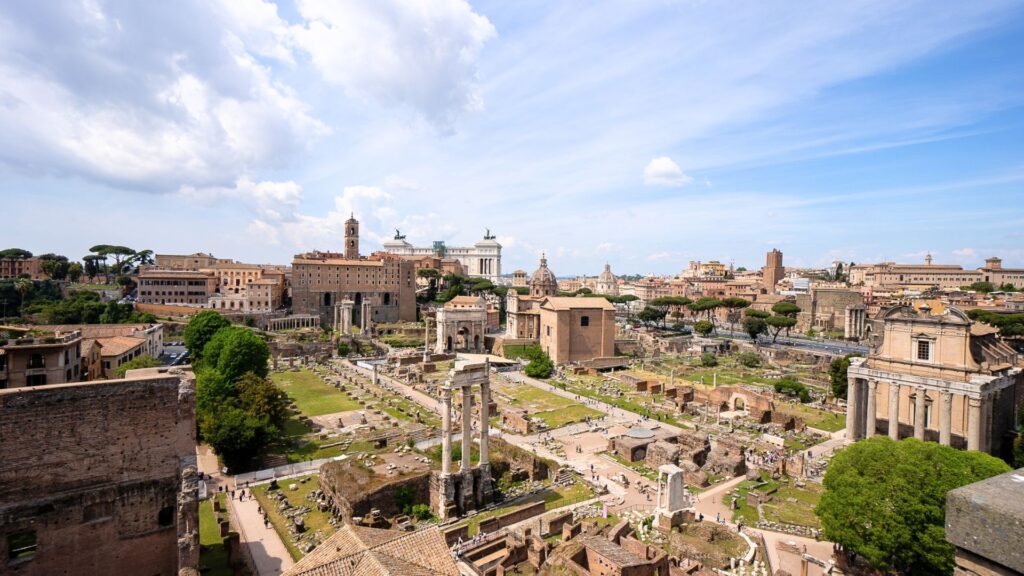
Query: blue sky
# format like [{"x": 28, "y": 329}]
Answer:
[{"x": 645, "y": 134}]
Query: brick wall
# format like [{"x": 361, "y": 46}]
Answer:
[{"x": 97, "y": 470}]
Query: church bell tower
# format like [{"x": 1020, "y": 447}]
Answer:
[{"x": 352, "y": 238}]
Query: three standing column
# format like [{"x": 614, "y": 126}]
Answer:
[{"x": 485, "y": 425}]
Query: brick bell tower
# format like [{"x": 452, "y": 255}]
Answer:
[{"x": 352, "y": 238}]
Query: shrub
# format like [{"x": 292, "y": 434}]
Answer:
[
  {"x": 749, "y": 359},
  {"x": 791, "y": 387},
  {"x": 708, "y": 360},
  {"x": 540, "y": 367}
]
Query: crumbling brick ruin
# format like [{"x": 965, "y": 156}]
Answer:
[
  {"x": 99, "y": 478},
  {"x": 355, "y": 490}
]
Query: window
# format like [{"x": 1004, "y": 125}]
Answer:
[
  {"x": 21, "y": 544},
  {"x": 35, "y": 380},
  {"x": 924, "y": 350},
  {"x": 166, "y": 517},
  {"x": 98, "y": 511},
  {"x": 548, "y": 330},
  {"x": 36, "y": 361},
  {"x": 584, "y": 320}
]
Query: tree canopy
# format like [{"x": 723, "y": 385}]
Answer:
[
  {"x": 703, "y": 327},
  {"x": 200, "y": 330},
  {"x": 235, "y": 350},
  {"x": 1009, "y": 325},
  {"x": 754, "y": 327},
  {"x": 16, "y": 253},
  {"x": 144, "y": 361},
  {"x": 837, "y": 373},
  {"x": 885, "y": 501}
]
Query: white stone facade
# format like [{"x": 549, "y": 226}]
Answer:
[{"x": 482, "y": 260}]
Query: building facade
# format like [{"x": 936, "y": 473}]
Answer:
[
  {"x": 99, "y": 478},
  {"x": 177, "y": 287},
  {"x": 15, "y": 267},
  {"x": 381, "y": 287},
  {"x": 40, "y": 360},
  {"x": 577, "y": 329},
  {"x": 482, "y": 260},
  {"x": 935, "y": 377}
]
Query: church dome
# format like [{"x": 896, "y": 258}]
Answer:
[
  {"x": 543, "y": 281},
  {"x": 606, "y": 275}
]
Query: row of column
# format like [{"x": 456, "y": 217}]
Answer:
[
  {"x": 862, "y": 408},
  {"x": 488, "y": 267},
  {"x": 467, "y": 427}
]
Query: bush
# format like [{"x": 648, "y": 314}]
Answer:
[
  {"x": 791, "y": 387},
  {"x": 749, "y": 359},
  {"x": 540, "y": 367},
  {"x": 703, "y": 327},
  {"x": 708, "y": 360},
  {"x": 144, "y": 361},
  {"x": 343, "y": 349},
  {"x": 421, "y": 512}
]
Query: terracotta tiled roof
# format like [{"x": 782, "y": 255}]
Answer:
[
  {"x": 576, "y": 303},
  {"x": 119, "y": 344},
  {"x": 361, "y": 551}
]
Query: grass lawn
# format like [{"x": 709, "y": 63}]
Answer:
[
  {"x": 313, "y": 396},
  {"x": 213, "y": 557},
  {"x": 315, "y": 520},
  {"x": 801, "y": 512},
  {"x": 568, "y": 415}
]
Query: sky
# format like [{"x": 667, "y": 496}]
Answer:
[{"x": 644, "y": 134}]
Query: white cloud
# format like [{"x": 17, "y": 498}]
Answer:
[
  {"x": 965, "y": 253},
  {"x": 663, "y": 171},
  {"x": 418, "y": 54},
  {"x": 140, "y": 99}
]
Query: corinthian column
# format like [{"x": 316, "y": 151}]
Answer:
[
  {"x": 467, "y": 427},
  {"x": 446, "y": 430},
  {"x": 485, "y": 426}
]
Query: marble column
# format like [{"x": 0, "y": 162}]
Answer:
[
  {"x": 485, "y": 426},
  {"x": 853, "y": 414},
  {"x": 894, "y": 411},
  {"x": 467, "y": 428},
  {"x": 869, "y": 427},
  {"x": 985, "y": 439},
  {"x": 973, "y": 423},
  {"x": 919, "y": 407},
  {"x": 945, "y": 419},
  {"x": 446, "y": 430}
]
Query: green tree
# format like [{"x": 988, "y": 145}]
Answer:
[
  {"x": 15, "y": 254},
  {"x": 74, "y": 271},
  {"x": 24, "y": 287},
  {"x": 885, "y": 501},
  {"x": 235, "y": 435},
  {"x": 343, "y": 349},
  {"x": 761, "y": 314},
  {"x": 792, "y": 387},
  {"x": 234, "y": 350},
  {"x": 650, "y": 315},
  {"x": 144, "y": 361},
  {"x": 703, "y": 327},
  {"x": 754, "y": 327},
  {"x": 200, "y": 330},
  {"x": 708, "y": 360},
  {"x": 837, "y": 374},
  {"x": 778, "y": 324},
  {"x": 54, "y": 266},
  {"x": 706, "y": 305},
  {"x": 540, "y": 366},
  {"x": 262, "y": 398},
  {"x": 749, "y": 359},
  {"x": 983, "y": 287},
  {"x": 734, "y": 304}
]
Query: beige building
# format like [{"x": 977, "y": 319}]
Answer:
[
  {"x": 520, "y": 278},
  {"x": 185, "y": 262},
  {"x": 117, "y": 350},
  {"x": 935, "y": 377},
  {"x": 40, "y": 360},
  {"x": 178, "y": 287},
  {"x": 825, "y": 309}
]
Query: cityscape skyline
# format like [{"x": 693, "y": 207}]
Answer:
[{"x": 720, "y": 134}]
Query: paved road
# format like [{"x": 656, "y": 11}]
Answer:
[
  {"x": 268, "y": 552},
  {"x": 265, "y": 546}
]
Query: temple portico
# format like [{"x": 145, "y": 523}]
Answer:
[{"x": 935, "y": 378}]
